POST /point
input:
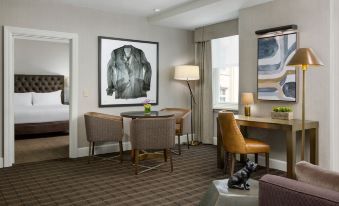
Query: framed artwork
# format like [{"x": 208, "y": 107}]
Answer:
[
  {"x": 276, "y": 80},
  {"x": 128, "y": 72}
]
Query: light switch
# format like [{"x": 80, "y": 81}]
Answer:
[{"x": 85, "y": 93}]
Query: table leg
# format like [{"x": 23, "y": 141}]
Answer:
[
  {"x": 291, "y": 146},
  {"x": 220, "y": 150},
  {"x": 313, "y": 134},
  {"x": 243, "y": 157}
]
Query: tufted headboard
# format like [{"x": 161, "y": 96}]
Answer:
[{"x": 39, "y": 83}]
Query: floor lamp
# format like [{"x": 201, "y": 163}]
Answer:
[
  {"x": 188, "y": 73},
  {"x": 303, "y": 58}
]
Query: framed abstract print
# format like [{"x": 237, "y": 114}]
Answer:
[
  {"x": 128, "y": 72},
  {"x": 276, "y": 80}
]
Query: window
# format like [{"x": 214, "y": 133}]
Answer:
[{"x": 225, "y": 65}]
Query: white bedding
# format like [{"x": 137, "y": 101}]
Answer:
[{"x": 38, "y": 114}]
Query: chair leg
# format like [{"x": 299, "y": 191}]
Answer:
[
  {"x": 136, "y": 161},
  {"x": 188, "y": 141},
  {"x": 165, "y": 155},
  {"x": 93, "y": 146},
  {"x": 133, "y": 156},
  {"x": 267, "y": 159},
  {"x": 170, "y": 157},
  {"x": 226, "y": 157},
  {"x": 256, "y": 158},
  {"x": 89, "y": 152},
  {"x": 121, "y": 151},
  {"x": 179, "y": 146},
  {"x": 232, "y": 159}
]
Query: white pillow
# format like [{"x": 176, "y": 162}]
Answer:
[
  {"x": 49, "y": 98},
  {"x": 23, "y": 99}
]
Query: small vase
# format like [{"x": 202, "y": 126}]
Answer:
[{"x": 147, "y": 109}]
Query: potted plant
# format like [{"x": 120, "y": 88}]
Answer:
[{"x": 282, "y": 112}]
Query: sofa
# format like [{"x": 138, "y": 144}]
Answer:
[{"x": 314, "y": 186}]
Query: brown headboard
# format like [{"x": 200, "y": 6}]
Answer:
[{"x": 39, "y": 83}]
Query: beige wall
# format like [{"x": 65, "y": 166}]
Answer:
[
  {"x": 175, "y": 47},
  {"x": 313, "y": 19},
  {"x": 335, "y": 83},
  {"x": 41, "y": 57}
]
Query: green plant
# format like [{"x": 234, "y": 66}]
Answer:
[{"x": 282, "y": 109}]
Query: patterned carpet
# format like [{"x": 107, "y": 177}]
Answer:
[
  {"x": 74, "y": 182},
  {"x": 40, "y": 149}
]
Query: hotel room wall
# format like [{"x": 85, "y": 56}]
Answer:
[
  {"x": 335, "y": 83},
  {"x": 313, "y": 19},
  {"x": 175, "y": 47},
  {"x": 43, "y": 58}
]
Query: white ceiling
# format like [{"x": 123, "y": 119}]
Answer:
[{"x": 184, "y": 14}]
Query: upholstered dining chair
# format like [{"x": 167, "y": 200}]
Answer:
[
  {"x": 152, "y": 134},
  {"x": 235, "y": 143},
  {"x": 183, "y": 124},
  {"x": 103, "y": 128}
]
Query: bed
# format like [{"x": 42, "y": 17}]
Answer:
[{"x": 39, "y": 119}]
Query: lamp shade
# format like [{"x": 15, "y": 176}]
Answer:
[
  {"x": 305, "y": 56},
  {"x": 247, "y": 98},
  {"x": 186, "y": 72}
]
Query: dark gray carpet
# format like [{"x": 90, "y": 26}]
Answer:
[{"x": 74, "y": 182}]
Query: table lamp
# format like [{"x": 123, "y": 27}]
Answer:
[
  {"x": 188, "y": 73},
  {"x": 304, "y": 57},
  {"x": 247, "y": 100}
]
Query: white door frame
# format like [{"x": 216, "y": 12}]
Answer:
[{"x": 12, "y": 33}]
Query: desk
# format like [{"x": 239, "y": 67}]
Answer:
[{"x": 290, "y": 127}]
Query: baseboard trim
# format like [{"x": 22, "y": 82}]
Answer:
[
  {"x": 274, "y": 163},
  {"x": 104, "y": 149},
  {"x": 114, "y": 147},
  {"x": 1, "y": 162}
]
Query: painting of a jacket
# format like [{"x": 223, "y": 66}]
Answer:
[{"x": 128, "y": 73}]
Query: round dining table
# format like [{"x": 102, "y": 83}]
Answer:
[{"x": 142, "y": 114}]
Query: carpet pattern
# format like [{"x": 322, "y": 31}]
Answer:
[
  {"x": 42, "y": 148},
  {"x": 74, "y": 182}
]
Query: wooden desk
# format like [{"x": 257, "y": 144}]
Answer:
[{"x": 291, "y": 127}]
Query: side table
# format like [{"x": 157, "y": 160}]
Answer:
[{"x": 219, "y": 194}]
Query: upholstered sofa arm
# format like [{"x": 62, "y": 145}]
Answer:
[{"x": 280, "y": 191}]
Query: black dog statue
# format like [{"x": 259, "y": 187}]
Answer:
[{"x": 239, "y": 179}]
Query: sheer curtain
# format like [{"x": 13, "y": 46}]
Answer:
[{"x": 203, "y": 109}]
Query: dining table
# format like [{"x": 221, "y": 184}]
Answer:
[{"x": 142, "y": 114}]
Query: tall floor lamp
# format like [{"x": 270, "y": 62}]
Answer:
[
  {"x": 188, "y": 73},
  {"x": 304, "y": 57}
]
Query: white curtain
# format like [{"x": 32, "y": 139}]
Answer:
[{"x": 203, "y": 109}]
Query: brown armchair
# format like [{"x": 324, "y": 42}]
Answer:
[
  {"x": 152, "y": 134},
  {"x": 235, "y": 143},
  {"x": 103, "y": 128},
  {"x": 183, "y": 123}
]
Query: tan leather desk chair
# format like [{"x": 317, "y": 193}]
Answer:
[
  {"x": 183, "y": 123},
  {"x": 103, "y": 128},
  {"x": 235, "y": 143}
]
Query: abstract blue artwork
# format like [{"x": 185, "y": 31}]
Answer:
[{"x": 276, "y": 80}]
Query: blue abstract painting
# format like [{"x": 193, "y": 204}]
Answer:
[{"x": 276, "y": 80}]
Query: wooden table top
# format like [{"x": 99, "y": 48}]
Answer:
[{"x": 141, "y": 114}]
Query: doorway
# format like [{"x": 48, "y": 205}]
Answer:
[
  {"x": 41, "y": 100},
  {"x": 15, "y": 33}
]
